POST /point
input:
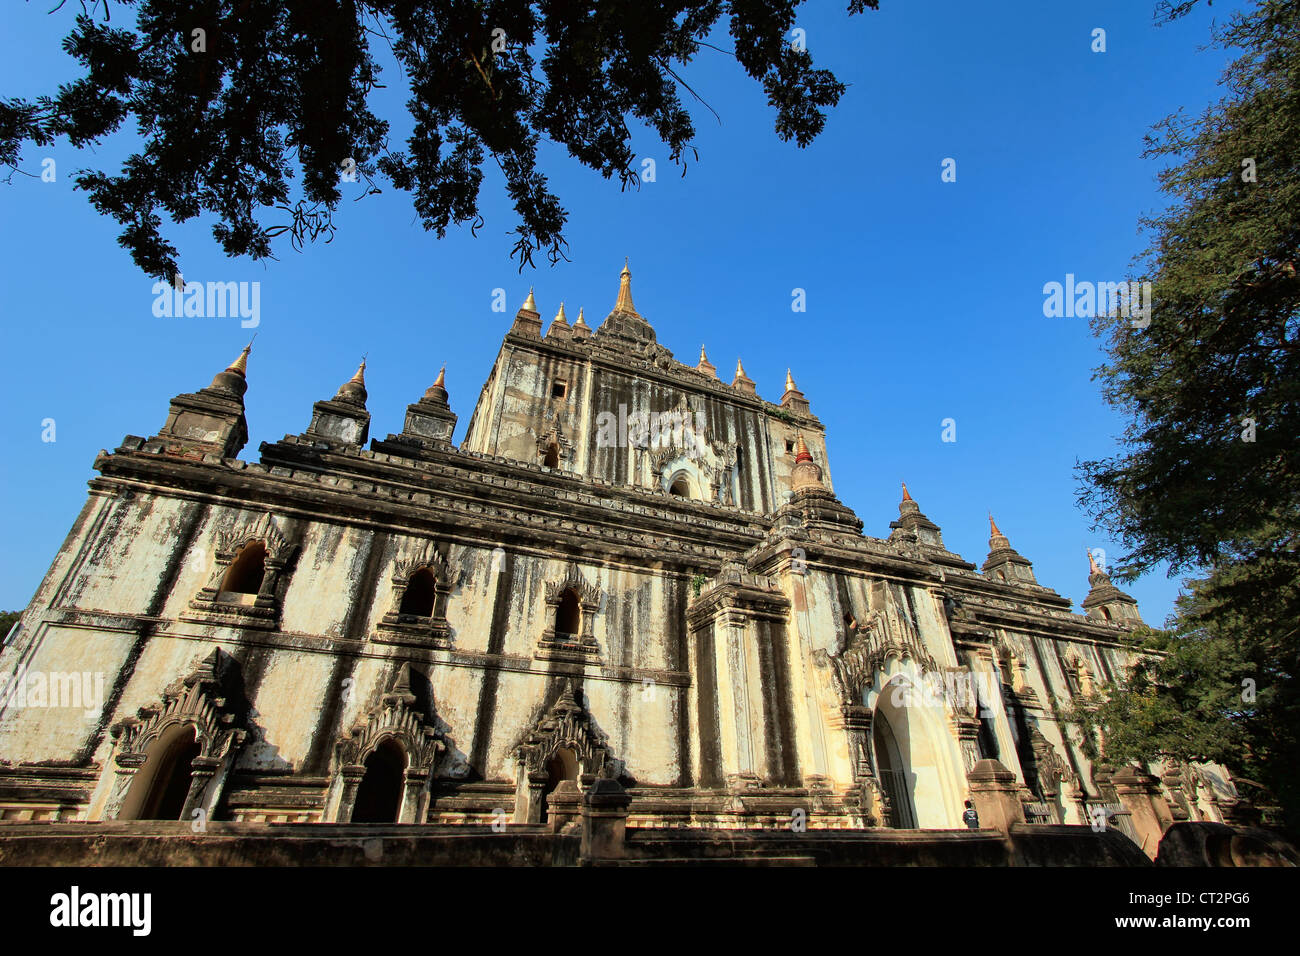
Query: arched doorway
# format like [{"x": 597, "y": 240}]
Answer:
[
  {"x": 562, "y": 766},
  {"x": 893, "y": 773},
  {"x": 379, "y": 797},
  {"x": 163, "y": 782},
  {"x": 919, "y": 762}
]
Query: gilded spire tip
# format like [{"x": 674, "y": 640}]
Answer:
[
  {"x": 789, "y": 382},
  {"x": 624, "y": 303},
  {"x": 906, "y": 496},
  {"x": 240, "y": 365},
  {"x": 441, "y": 381},
  {"x": 530, "y": 304}
]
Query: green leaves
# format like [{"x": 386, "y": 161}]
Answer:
[
  {"x": 235, "y": 99},
  {"x": 1213, "y": 385},
  {"x": 1208, "y": 475}
]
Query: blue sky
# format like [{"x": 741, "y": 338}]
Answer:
[{"x": 924, "y": 298}]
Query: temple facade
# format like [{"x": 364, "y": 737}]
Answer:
[{"x": 629, "y": 569}]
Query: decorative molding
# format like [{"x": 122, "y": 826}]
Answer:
[
  {"x": 396, "y": 717},
  {"x": 211, "y": 701},
  {"x": 215, "y": 606},
  {"x": 198, "y": 699},
  {"x": 581, "y": 647},
  {"x": 566, "y": 725},
  {"x": 417, "y": 629}
]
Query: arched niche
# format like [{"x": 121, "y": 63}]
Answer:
[
  {"x": 379, "y": 795},
  {"x": 911, "y": 738},
  {"x": 189, "y": 739},
  {"x": 161, "y": 786},
  {"x": 564, "y": 744},
  {"x": 397, "y": 738}
]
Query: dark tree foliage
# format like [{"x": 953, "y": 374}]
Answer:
[
  {"x": 274, "y": 90},
  {"x": 1208, "y": 471}
]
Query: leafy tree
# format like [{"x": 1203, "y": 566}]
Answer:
[
  {"x": 234, "y": 98},
  {"x": 1208, "y": 472}
]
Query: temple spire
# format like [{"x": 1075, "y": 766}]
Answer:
[
  {"x": 1105, "y": 601},
  {"x": 906, "y": 496},
  {"x": 624, "y": 303},
  {"x": 1004, "y": 563},
  {"x": 240, "y": 365},
  {"x": 441, "y": 380},
  {"x": 354, "y": 389},
  {"x": 705, "y": 366},
  {"x": 793, "y": 400},
  {"x": 560, "y": 324},
  {"x": 806, "y": 473},
  {"x": 743, "y": 381},
  {"x": 530, "y": 304}
]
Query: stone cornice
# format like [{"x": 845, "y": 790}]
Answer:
[{"x": 472, "y": 498}]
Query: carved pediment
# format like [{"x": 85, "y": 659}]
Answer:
[
  {"x": 209, "y": 698},
  {"x": 426, "y": 557},
  {"x": 566, "y": 725},
  {"x": 588, "y": 594},
  {"x": 230, "y": 541},
  {"x": 866, "y": 649},
  {"x": 396, "y": 716}
]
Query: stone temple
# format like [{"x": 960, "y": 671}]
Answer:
[{"x": 630, "y": 594}]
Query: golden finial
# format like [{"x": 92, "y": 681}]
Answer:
[
  {"x": 559, "y": 316},
  {"x": 360, "y": 376},
  {"x": 789, "y": 382},
  {"x": 530, "y": 304},
  {"x": 703, "y": 358},
  {"x": 740, "y": 370},
  {"x": 441, "y": 381},
  {"x": 801, "y": 452},
  {"x": 624, "y": 303},
  {"x": 906, "y": 496},
  {"x": 993, "y": 528},
  {"x": 240, "y": 365},
  {"x": 581, "y": 323}
]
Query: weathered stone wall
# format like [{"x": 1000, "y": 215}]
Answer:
[
  {"x": 735, "y": 648},
  {"x": 519, "y": 416}
]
